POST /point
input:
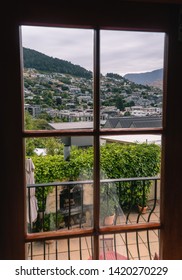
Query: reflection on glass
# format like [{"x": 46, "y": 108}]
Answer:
[
  {"x": 130, "y": 179},
  {"x": 110, "y": 209}
]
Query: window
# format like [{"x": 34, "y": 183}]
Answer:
[
  {"x": 71, "y": 107},
  {"x": 155, "y": 16}
]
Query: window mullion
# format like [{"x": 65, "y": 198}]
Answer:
[{"x": 96, "y": 170}]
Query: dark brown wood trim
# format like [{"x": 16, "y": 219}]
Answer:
[
  {"x": 96, "y": 171},
  {"x": 91, "y": 132},
  {"x": 129, "y": 228},
  {"x": 75, "y": 233},
  {"x": 60, "y": 234},
  {"x": 53, "y": 133},
  {"x": 121, "y": 16},
  {"x": 131, "y": 131},
  {"x": 171, "y": 182}
]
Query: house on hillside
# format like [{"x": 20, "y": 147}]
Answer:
[{"x": 137, "y": 122}]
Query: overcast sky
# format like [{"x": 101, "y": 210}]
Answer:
[{"x": 122, "y": 52}]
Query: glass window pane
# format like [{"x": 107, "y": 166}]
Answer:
[
  {"x": 132, "y": 79},
  {"x": 58, "y": 65},
  {"x": 59, "y": 181},
  {"x": 64, "y": 249},
  {"x": 130, "y": 179},
  {"x": 141, "y": 245}
]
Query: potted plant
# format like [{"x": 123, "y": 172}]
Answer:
[
  {"x": 142, "y": 204},
  {"x": 52, "y": 221},
  {"x": 141, "y": 196},
  {"x": 107, "y": 214}
]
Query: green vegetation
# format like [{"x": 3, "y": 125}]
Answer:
[
  {"x": 117, "y": 161},
  {"x": 42, "y": 62},
  {"x": 127, "y": 161},
  {"x": 33, "y": 143},
  {"x": 131, "y": 161},
  {"x": 50, "y": 222},
  {"x": 115, "y": 76},
  {"x": 52, "y": 84}
]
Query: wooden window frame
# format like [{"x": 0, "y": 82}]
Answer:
[
  {"x": 126, "y": 16},
  {"x": 96, "y": 132}
]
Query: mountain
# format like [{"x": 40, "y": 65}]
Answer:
[
  {"x": 153, "y": 78},
  {"x": 42, "y": 62}
]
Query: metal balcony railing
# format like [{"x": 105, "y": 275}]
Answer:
[{"x": 66, "y": 205}]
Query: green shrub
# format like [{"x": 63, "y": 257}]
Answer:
[
  {"x": 131, "y": 161},
  {"x": 49, "y": 222},
  {"x": 116, "y": 160}
]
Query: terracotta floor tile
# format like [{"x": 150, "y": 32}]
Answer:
[
  {"x": 153, "y": 237},
  {"x": 154, "y": 248},
  {"x": 142, "y": 250},
  {"x": 132, "y": 238},
  {"x": 85, "y": 244}
]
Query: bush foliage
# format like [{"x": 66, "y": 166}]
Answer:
[{"x": 116, "y": 160}]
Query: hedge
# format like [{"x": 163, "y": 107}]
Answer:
[{"x": 116, "y": 160}]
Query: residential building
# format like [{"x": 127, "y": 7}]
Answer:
[
  {"x": 133, "y": 121},
  {"x": 34, "y": 110}
]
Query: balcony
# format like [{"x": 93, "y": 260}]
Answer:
[{"x": 69, "y": 206}]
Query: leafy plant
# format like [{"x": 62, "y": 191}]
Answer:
[
  {"x": 117, "y": 161},
  {"x": 143, "y": 193},
  {"x": 49, "y": 222},
  {"x": 131, "y": 161}
]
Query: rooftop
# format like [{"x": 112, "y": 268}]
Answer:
[
  {"x": 137, "y": 122},
  {"x": 138, "y": 138},
  {"x": 71, "y": 125}
]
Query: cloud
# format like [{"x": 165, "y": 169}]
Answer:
[
  {"x": 74, "y": 45},
  {"x": 121, "y": 51},
  {"x": 128, "y": 52}
]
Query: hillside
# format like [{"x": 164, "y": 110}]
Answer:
[
  {"x": 153, "y": 78},
  {"x": 42, "y": 62}
]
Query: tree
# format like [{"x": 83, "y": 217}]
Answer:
[
  {"x": 29, "y": 123},
  {"x": 54, "y": 146},
  {"x": 120, "y": 103},
  {"x": 34, "y": 124},
  {"x": 58, "y": 101},
  {"x": 127, "y": 113}
]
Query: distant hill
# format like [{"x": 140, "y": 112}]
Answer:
[
  {"x": 153, "y": 78},
  {"x": 42, "y": 62}
]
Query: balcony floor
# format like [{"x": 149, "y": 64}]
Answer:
[{"x": 80, "y": 248}]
